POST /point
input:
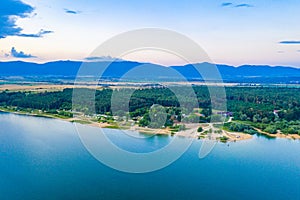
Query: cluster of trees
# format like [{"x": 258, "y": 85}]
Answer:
[
  {"x": 45, "y": 101},
  {"x": 255, "y": 105},
  {"x": 158, "y": 117},
  {"x": 270, "y": 109},
  {"x": 258, "y": 104},
  {"x": 239, "y": 127}
]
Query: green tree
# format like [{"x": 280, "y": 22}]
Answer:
[{"x": 200, "y": 129}]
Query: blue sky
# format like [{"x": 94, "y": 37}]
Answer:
[{"x": 231, "y": 32}]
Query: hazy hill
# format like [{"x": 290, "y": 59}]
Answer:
[{"x": 245, "y": 73}]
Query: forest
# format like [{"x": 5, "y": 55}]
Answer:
[{"x": 270, "y": 109}]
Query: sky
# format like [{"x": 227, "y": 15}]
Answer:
[{"x": 233, "y": 32}]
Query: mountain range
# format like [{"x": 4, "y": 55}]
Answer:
[{"x": 128, "y": 70}]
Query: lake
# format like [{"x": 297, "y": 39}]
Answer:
[{"x": 44, "y": 158}]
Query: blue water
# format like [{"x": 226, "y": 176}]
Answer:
[{"x": 44, "y": 159}]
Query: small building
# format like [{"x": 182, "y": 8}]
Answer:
[
  {"x": 275, "y": 112},
  {"x": 226, "y": 114}
]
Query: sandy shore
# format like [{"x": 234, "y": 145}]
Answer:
[
  {"x": 235, "y": 136},
  {"x": 191, "y": 130},
  {"x": 279, "y": 135},
  {"x": 137, "y": 128}
]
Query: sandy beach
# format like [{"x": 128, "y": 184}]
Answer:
[
  {"x": 279, "y": 135},
  {"x": 191, "y": 129}
]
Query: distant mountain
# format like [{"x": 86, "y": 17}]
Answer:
[
  {"x": 248, "y": 73},
  {"x": 59, "y": 68},
  {"x": 146, "y": 71}
]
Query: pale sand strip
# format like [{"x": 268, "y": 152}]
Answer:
[
  {"x": 279, "y": 135},
  {"x": 190, "y": 132}
]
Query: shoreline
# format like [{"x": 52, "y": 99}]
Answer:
[
  {"x": 279, "y": 135},
  {"x": 191, "y": 130}
]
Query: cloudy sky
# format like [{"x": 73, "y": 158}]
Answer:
[{"x": 231, "y": 32}]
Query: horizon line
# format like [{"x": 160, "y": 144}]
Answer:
[{"x": 91, "y": 61}]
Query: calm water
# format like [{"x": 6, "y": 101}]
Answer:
[{"x": 44, "y": 159}]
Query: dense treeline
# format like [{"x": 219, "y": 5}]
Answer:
[
  {"x": 270, "y": 109},
  {"x": 267, "y": 108},
  {"x": 255, "y": 104},
  {"x": 43, "y": 101}
]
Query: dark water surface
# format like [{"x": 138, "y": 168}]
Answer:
[{"x": 44, "y": 159}]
